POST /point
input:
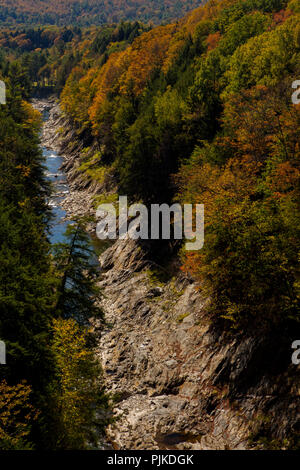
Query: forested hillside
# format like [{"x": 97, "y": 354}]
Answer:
[
  {"x": 76, "y": 12},
  {"x": 201, "y": 111},
  {"x": 180, "y": 110}
]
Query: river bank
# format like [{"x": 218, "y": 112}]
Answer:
[
  {"x": 75, "y": 203},
  {"x": 181, "y": 383}
]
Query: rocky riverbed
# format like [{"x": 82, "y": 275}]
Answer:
[
  {"x": 78, "y": 202},
  {"x": 180, "y": 382}
]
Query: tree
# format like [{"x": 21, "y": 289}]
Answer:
[
  {"x": 16, "y": 416},
  {"x": 19, "y": 80},
  {"x": 81, "y": 408},
  {"x": 249, "y": 264},
  {"x": 77, "y": 294}
]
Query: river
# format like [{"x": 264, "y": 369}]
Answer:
[
  {"x": 60, "y": 188},
  {"x": 55, "y": 174}
]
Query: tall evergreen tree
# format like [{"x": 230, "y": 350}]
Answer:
[{"x": 77, "y": 294}]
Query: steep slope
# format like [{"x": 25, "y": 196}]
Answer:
[{"x": 182, "y": 383}]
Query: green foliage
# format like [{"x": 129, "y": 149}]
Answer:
[
  {"x": 34, "y": 289},
  {"x": 263, "y": 60},
  {"x": 181, "y": 318},
  {"x": 169, "y": 109},
  {"x": 77, "y": 294},
  {"x": 82, "y": 407},
  {"x": 26, "y": 280}
]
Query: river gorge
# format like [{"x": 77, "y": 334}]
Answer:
[{"x": 180, "y": 382}]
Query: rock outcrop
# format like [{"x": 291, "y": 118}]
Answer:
[{"x": 181, "y": 383}]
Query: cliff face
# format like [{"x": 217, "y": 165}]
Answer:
[{"x": 180, "y": 382}]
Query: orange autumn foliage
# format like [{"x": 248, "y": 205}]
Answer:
[
  {"x": 213, "y": 40},
  {"x": 284, "y": 179},
  {"x": 146, "y": 53},
  {"x": 128, "y": 71},
  {"x": 281, "y": 16},
  {"x": 261, "y": 124},
  {"x": 16, "y": 415}
]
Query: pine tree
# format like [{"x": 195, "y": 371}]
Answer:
[{"x": 77, "y": 294}]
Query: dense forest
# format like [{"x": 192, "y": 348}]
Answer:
[
  {"x": 201, "y": 111},
  {"x": 44, "y": 403},
  {"x": 91, "y": 12},
  {"x": 197, "y": 111}
]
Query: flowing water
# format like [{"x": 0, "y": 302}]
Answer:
[
  {"x": 55, "y": 174},
  {"x": 53, "y": 163}
]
